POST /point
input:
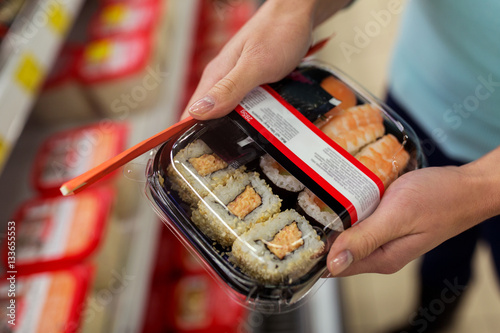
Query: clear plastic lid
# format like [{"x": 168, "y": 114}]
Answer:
[{"x": 261, "y": 194}]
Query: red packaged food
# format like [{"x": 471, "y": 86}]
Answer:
[
  {"x": 68, "y": 154},
  {"x": 55, "y": 233},
  {"x": 121, "y": 74},
  {"x": 45, "y": 302},
  {"x": 191, "y": 307},
  {"x": 119, "y": 18}
]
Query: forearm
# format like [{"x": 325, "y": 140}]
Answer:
[
  {"x": 483, "y": 182},
  {"x": 317, "y": 10}
]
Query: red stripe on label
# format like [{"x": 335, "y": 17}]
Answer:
[
  {"x": 297, "y": 161},
  {"x": 327, "y": 139}
]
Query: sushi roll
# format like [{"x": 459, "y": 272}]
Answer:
[
  {"x": 281, "y": 181},
  {"x": 279, "y": 250},
  {"x": 318, "y": 211},
  {"x": 232, "y": 209},
  {"x": 196, "y": 170}
]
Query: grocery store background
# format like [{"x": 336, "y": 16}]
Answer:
[{"x": 122, "y": 70}]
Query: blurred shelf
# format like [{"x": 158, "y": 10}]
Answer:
[
  {"x": 26, "y": 54},
  {"x": 132, "y": 303},
  {"x": 325, "y": 308},
  {"x": 23, "y": 141}
]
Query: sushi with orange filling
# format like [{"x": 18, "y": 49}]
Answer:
[
  {"x": 231, "y": 209},
  {"x": 279, "y": 250},
  {"x": 196, "y": 170}
]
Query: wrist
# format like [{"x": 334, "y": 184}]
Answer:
[{"x": 483, "y": 180}]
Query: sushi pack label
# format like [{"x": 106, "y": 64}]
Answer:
[{"x": 330, "y": 172}]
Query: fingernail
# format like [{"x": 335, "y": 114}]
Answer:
[
  {"x": 202, "y": 105},
  {"x": 341, "y": 262}
]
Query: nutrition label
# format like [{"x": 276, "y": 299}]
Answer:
[{"x": 340, "y": 174}]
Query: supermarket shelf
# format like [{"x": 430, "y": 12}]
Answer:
[
  {"x": 132, "y": 302},
  {"x": 26, "y": 54},
  {"x": 325, "y": 310},
  {"x": 129, "y": 305}
]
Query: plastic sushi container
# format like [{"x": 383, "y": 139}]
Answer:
[
  {"x": 261, "y": 194},
  {"x": 121, "y": 74},
  {"x": 189, "y": 306},
  {"x": 67, "y": 154},
  {"x": 45, "y": 302},
  {"x": 56, "y": 233}
]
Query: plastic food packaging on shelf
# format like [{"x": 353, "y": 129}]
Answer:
[
  {"x": 119, "y": 18},
  {"x": 67, "y": 154},
  {"x": 62, "y": 98},
  {"x": 45, "y": 302},
  {"x": 261, "y": 194},
  {"x": 190, "y": 307},
  {"x": 122, "y": 74},
  {"x": 56, "y": 233}
]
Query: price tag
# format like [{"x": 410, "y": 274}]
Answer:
[
  {"x": 58, "y": 18},
  {"x": 29, "y": 73},
  {"x": 113, "y": 14}
]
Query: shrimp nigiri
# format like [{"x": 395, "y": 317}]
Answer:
[
  {"x": 351, "y": 119},
  {"x": 385, "y": 157},
  {"x": 354, "y": 140}
]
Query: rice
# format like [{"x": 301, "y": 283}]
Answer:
[
  {"x": 281, "y": 179},
  {"x": 253, "y": 251},
  {"x": 219, "y": 221},
  {"x": 326, "y": 217},
  {"x": 196, "y": 170}
]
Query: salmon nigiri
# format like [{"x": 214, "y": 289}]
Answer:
[
  {"x": 385, "y": 157},
  {"x": 340, "y": 91}
]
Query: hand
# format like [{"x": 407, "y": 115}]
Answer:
[
  {"x": 418, "y": 211},
  {"x": 268, "y": 47}
]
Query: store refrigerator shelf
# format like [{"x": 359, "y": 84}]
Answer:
[{"x": 26, "y": 54}]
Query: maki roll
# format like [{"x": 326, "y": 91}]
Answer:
[
  {"x": 196, "y": 170},
  {"x": 318, "y": 211},
  {"x": 233, "y": 208},
  {"x": 278, "y": 250},
  {"x": 282, "y": 182}
]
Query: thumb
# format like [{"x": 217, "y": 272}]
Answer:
[
  {"x": 225, "y": 94},
  {"x": 359, "y": 242}
]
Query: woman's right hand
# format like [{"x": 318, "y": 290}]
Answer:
[{"x": 268, "y": 47}]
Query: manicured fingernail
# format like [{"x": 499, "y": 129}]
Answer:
[
  {"x": 341, "y": 262},
  {"x": 202, "y": 105}
]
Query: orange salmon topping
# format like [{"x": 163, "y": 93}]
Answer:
[
  {"x": 245, "y": 203},
  {"x": 207, "y": 164},
  {"x": 286, "y": 240}
]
